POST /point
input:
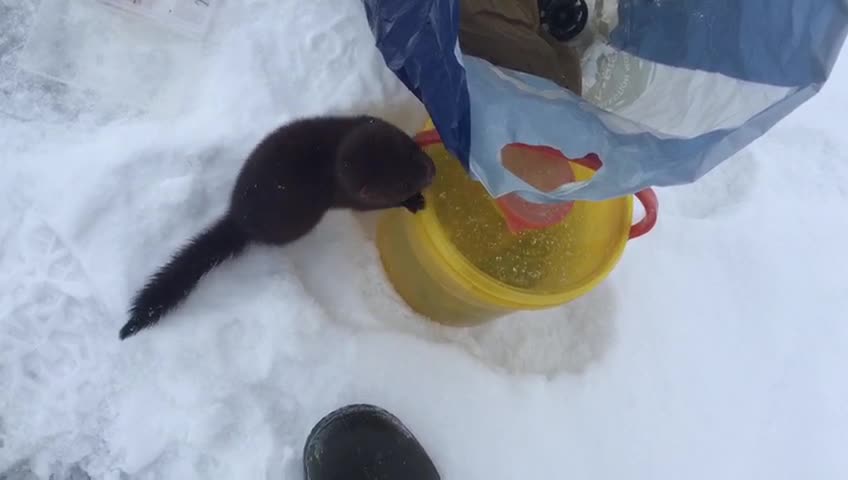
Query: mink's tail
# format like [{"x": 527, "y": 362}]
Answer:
[{"x": 173, "y": 282}]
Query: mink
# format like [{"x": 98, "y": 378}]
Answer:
[{"x": 289, "y": 181}]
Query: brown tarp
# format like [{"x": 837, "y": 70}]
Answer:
[{"x": 508, "y": 33}]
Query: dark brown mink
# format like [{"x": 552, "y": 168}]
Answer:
[{"x": 286, "y": 185}]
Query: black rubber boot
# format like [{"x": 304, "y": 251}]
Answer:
[{"x": 364, "y": 442}]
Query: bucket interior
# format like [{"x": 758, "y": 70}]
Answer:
[{"x": 541, "y": 267}]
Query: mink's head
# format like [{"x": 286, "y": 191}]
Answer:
[{"x": 380, "y": 166}]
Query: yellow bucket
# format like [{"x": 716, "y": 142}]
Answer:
[{"x": 457, "y": 262}]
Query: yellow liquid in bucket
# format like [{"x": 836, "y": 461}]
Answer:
[{"x": 457, "y": 263}]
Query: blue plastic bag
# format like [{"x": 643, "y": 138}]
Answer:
[{"x": 671, "y": 90}]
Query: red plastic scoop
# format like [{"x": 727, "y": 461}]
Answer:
[{"x": 545, "y": 169}]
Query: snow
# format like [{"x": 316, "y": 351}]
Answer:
[{"x": 715, "y": 350}]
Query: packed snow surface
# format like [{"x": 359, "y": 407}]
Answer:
[{"x": 716, "y": 350}]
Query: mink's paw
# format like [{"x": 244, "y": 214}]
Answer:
[{"x": 414, "y": 203}]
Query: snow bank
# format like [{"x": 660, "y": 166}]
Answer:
[{"x": 713, "y": 351}]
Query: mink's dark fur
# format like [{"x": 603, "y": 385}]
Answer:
[{"x": 290, "y": 180}]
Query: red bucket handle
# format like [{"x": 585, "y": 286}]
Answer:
[
  {"x": 427, "y": 138},
  {"x": 647, "y": 197}
]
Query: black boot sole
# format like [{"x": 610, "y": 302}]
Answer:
[{"x": 364, "y": 442}]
